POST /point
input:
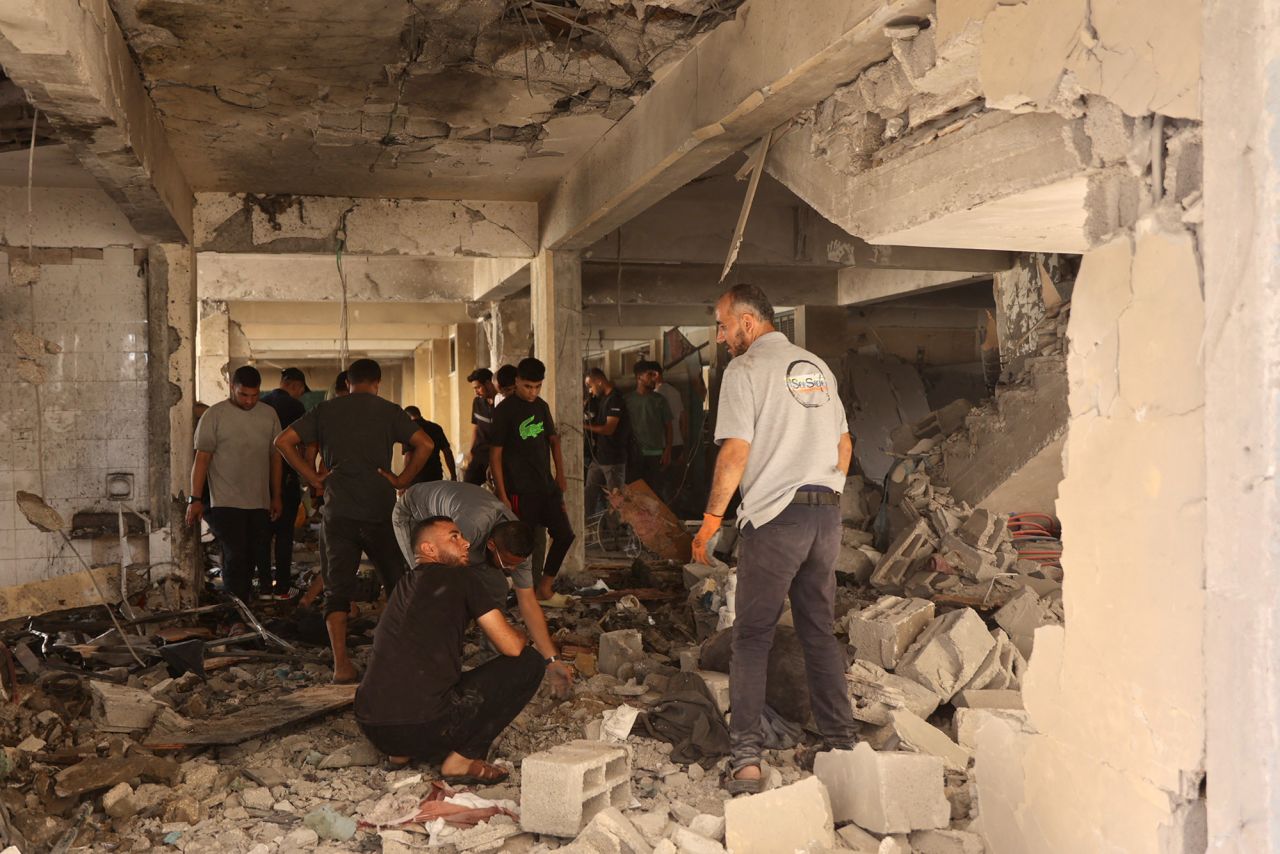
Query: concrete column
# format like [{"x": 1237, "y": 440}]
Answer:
[
  {"x": 213, "y": 351},
  {"x": 422, "y": 397},
  {"x": 171, "y": 378},
  {"x": 557, "y": 335},
  {"x": 512, "y": 331},
  {"x": 1241, "y": 361},
  {"x": 441, "y": 396},
  {"x": 459, "y": 428}
]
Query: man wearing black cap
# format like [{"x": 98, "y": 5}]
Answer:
[{"x": 287, "y": 402}]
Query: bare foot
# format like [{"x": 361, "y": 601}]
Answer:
[
  {"x": 454, "y": 764},
  {"x": 345, "y": 674},
  {"x": 748, "y": 772},
  {"x": 546, "y": 587}
]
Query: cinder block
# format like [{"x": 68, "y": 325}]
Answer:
[
  {"x": 884, "y": 792},
  {"x": 1002, "y": 668},
  {"x": 790, "y": 818},
  {"x": 1020, "y": 617},
  {"x": 971, "y": 561},
  {"x": 912, "y": 545},
  {"x": 618, "y": 648},
  {"x": 718, "y": 683},
  {"x": 563, "y": 788},
  {"x": 946, "y": 842},
  {"x": 920, "y": 736},
  {"x": 948, "y": 653},
  {"x": 968, "y": 721},
  {"x": 988, "y": 699},
  {"x": 984, "y": 530},
  {"x": 875, "y": 693},
  {"x": 881, "y": 633}
]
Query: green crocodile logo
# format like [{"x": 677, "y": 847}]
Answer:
[{"x": 529, "y": 430}]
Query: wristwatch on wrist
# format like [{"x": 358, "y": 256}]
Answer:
[
  {"x": 548, "y": 661},
  {"x": 192, "y": 499}
]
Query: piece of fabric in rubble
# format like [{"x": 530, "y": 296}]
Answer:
[
  {"x": 779, "y": 733},
  {"x": 687, "y": 718}
]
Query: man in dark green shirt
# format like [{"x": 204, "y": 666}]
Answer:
[{"x": 650, "y": 418}]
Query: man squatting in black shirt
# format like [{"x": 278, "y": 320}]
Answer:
[{"x": 415, "y": 702}]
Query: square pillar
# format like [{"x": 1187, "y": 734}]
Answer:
[
  {"x": 557, "y": 341},
  {"x": 213, "y": 352},
  {"x": 459, "y": 428}
]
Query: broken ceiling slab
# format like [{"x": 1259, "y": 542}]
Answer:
[
  {"x": 314, "y": 278},
  {"x": 237, "y": 222},
  {"x": 998, "y": 181},
  {"x": 744, "y": 79},
  {"x": 72, "y": 61},
  {"x": 261, "y": 719},
  {"x": 856, "y": 252},
  {"x": 73, "y": 590},
  {"x": 497, "y": 278}
]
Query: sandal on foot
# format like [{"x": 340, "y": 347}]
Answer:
[
  {"x": 556, "y": 600},
  {"x": 479, "y": 773},
  {"x": 735, "y": 786},
  {"x": 390, "y": 765}
]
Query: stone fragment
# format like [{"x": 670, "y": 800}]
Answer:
[
  {"x": 183, "y": 809},
  {"x": 104, "y": 772},
  {"x": 946, "y": 842},
  {"x": 619, "y": 648},
  {"x": 491, "y": 835},
  {"x": 652, "y": 825},
  {"x": 610, "y": 832},
  {"x": 790, "y": 818},
  {"x": 31, "y": 744},
  {"x": 710, "y": 826},
  {"x": 853, "y": 559},
  {"x": 257, "y": 798},
  {"x": 117, "y": 708},
  {"x": 948, "y": 653},
  {"x": 972, "y": 562},
  {"x": 689, "y": 658},
  {"x": 361, "y": 754},
  {"x": 666, "y": 846},
  {"x": 858, "y": 840},
  {"x": 300, "y": 839},
  {"x": 968, "y": 721},
  {"x": 118, "y": 801},
  {"x": 875, "y": 693},
  {"x": 329, "y": 824},
  {"x": 988, "y": 699},
  {"x": 881, "y": 633},
  {"x": 920, "y": 736},
  {"x": 688, "y": 841},
  {"x": 718, "y": 684},
  {"x": 985, "y": 530},
  {"x": 886, "y": 792},
  {"x": 1020, "y": 617},
  {"x": 563, "y": 788}
]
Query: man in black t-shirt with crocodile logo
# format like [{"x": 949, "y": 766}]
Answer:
[{"x": 523, "y": 446}]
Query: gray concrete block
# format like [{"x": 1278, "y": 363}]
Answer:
[
  {"x": 948, "y": 653},
  {"x": 920, "y": 736},
  {"x": 884, "y": 792},
  {"x": 790, "y": 818},
  {"x": 968, "y": 721},
  {"x": 563, "y": 788},
  {"x": 875, "y": 693},
  {"x": 618, "y": 648},
  {"x": 718, "y": 684},
  {"x": 881, "y": 633},
  {"x": 946, "y": 842}
]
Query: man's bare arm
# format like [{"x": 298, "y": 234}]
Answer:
[
  {"x": 287, "y": 444},
  {"x": 421, "y": 448},
  {"x": 499, "y": 480},
  {"x": 558, "y": 458},
  {"x": 608, "y": 428},
  {"x": 199, "y": 475},
  {"x": 844, "y": 453},
  {"x": 507, "y": 639},
  {"x": 731, "y": 462}
]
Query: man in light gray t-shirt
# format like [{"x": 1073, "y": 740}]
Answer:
[
  {"x": 478, "y": 513},
  {"x": 235, "y": 456},
  {"x": 783, "y": 438}
]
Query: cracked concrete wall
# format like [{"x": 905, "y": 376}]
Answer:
[
  {"x": 213, "y": 351},
  {"x": 314, "y": 278},
  {"x": 1118, "y": 699}
]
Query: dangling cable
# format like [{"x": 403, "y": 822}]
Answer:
[{"x": 344, "y": 328}]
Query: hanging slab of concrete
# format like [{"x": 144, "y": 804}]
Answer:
[
  {"x": 999, "y": 181},
  {"x": 71, "y": 59},
  {"x": 857, "y": 286},
  {"x": 498, "y": 278},
  {"x": 239, "y": 222},
  {"x": 746, "y": 77}
]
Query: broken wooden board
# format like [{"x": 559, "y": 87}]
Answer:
[
  {"x": 654, "y": 523},
  {"x": 260, "y": 719}
]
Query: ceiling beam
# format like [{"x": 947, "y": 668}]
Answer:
[
  {"x": 747, "y": 76},
  {"x": 240, "y": 222},
  {"x": 498, "y": 278},
  {"x": 314, "y": 278},
  {"x": 699, "y": 284},
  {"x": 595, "y": 317},
  {"x": 865, "y": 287},
  {"x": 71, "y": 59}
]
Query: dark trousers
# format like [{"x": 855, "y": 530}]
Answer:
[
  {"x": 602, "y": 478},
  {"x": 282, "y": 539},
  {"x": 649, "y": 469},
  {"x": 480, "y": 707},
  {"x": 342, "y": 540},
  {"x": 245, "y": 538},
  {"x": 477, "y": 470},
  {"x": 547, "y": 511},
  {"x": 794, "y": 554}
]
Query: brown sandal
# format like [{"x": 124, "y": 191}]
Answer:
[{"x": 479, "y": 773}]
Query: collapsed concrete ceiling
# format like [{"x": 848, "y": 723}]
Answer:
[{"x": 400, "y": 98}]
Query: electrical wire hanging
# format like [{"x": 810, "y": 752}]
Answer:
[{"x": 344, "y": 324}]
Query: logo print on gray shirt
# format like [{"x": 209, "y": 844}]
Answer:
[{"x": 807, "y": 384}]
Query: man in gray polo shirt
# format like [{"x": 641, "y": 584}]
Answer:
[
  {"x": 783, "y": 438},
  {"x": 497, "y": 552}
]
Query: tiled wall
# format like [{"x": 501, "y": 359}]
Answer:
[{"x": 92, "y": 406}]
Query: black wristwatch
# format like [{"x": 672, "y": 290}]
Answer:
[
  {"x": 548, "y": 661},
  {"x": 192, "y": 499}
]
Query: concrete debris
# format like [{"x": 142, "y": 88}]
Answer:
[
  {"x": 948, "y": 653},
  {"x": 987, "y": 699},
  {"x": 919, "y": 736},
  {"x": 797, "y": 817},
  {"x": 946, "y": 842},
  {"x": 1021, "y": 616},
  {"x": 876, "y": 693},
  {"x": 969, "y": 721},
  {"x": 619, "y": 650},
  {"x": 857, "y": 839},
  {"x": 884, "y": 792},
  {"x": 881, "y": 634},
  {"x": 563, "y": 788},
  {"x": 905, "y": 555}
]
